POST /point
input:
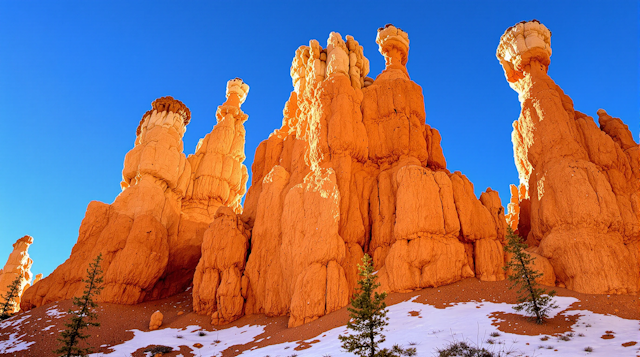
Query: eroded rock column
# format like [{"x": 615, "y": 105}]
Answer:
[
  {"x": 217, "y": 186},
  {"x": 18, "y": 265},
  {"x": 583, "y": 181}
]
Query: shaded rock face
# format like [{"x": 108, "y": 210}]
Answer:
[
  {"x": 353, "y": 169},
  {"x": 583, "y": 181},
  {"x": 150, "y": 237},
  {"x": 18, "y": 265}
]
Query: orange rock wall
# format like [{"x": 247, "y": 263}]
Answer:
[
  {"x": 583, "y": 180},
  {"x": 353, "y": 169}
]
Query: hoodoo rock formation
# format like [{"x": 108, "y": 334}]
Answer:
[
  {"x": 218, "y": 274},
  {"x": 353, "y": 169},
  {"x": 583, "y": 181},
  {"x": 133, "y": 233},
  {"x": 151, "y": 235},
  {"x": 18, "y": 265}
]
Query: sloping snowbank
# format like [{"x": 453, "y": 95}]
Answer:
[
  {"x": 435, "y": 328},
  {"x": 424, "y": 327}
]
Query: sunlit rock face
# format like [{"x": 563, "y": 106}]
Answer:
[
  {"x": 18, "y": 266},
  {"x": 218, "y": 275},
  {"x": 353, "y": 169},
  {"x": 582, "y": 182},
  {"x": 150, "y": 237}
]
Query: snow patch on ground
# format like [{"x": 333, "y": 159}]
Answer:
[
  {"x": 175, "y": 337},
  {"x": 14, "y": 321},
  {"x": 13, "y": 343},
  {"x": 55, "y": 313}
]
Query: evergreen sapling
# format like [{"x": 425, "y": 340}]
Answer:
[
  {"x": 523, "y": 275},
  {"x": 83, "y": 317},
  {"x": 368, "y": 313},
  {"x": 10, "y": 298}
]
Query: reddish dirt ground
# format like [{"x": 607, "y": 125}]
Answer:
[{"x": 116, "y": 320}]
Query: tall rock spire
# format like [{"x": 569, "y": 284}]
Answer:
[
  {"x": 18, "y": 265},
  {"x": 219, "y": 177},
  {"x": 583, "y": 180},
  {"x": 218, "y": 275}
]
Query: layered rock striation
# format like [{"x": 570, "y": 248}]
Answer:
[
  {"x": 353, "y": 169},
  {"x": 18, "y": 265},
  {"x": 151, "y": 235},
  {"x": 581, "y": 203}
]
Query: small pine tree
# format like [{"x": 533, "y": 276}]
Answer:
[
  {"x": 368, "y": 318},
  {"x": 530, "y": 295},
  {"x": 82, "y": 317},
  {"x": 10, "y": 298}
]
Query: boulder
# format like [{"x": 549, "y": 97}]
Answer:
[{"x": 156, "y": 320}]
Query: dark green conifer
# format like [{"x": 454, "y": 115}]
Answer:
[
  {"x": 531, "y": 297},
  {"x": 368, "y": 313},
  {"x": 10, "y": 298},
  {"x": 82, "y": 315}
]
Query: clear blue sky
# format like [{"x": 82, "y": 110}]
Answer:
[{"x": 75, "y": 78}]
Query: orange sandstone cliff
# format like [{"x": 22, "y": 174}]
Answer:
[
  {"x": 579, "y": 201},
  {"x": 353, "y": 169},
  {"x": 151, "y": 235},
  {"x": 18, "y": 265}
]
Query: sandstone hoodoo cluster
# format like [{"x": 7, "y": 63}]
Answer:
[
  {"x": 355, "y": 169},
  {"x": 150, "y": 237},
  {"x": 579, "y": 200},
  {"x": 18, "y": 265}
]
